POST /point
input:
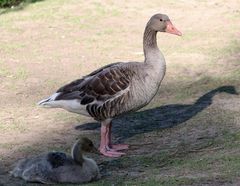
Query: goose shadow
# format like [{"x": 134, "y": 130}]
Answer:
[
  {"x": 159, "y": 118},
  {"x": 15, "y": 6}
]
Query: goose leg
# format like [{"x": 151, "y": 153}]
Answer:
[
  {"x": 104, "y": 144},
  {"x": 116, "y": 147}
]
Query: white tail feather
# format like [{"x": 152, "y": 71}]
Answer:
[{"x": 72, "y": 105}]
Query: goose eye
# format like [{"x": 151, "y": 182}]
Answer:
[{"x": 161, "y": 20}]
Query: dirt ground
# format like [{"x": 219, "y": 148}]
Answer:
[{"x": 188, "y": 135}]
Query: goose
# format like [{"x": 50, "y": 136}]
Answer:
[
  {"x": 57, "y": 167},
  {"x": 117, "y": 88}
]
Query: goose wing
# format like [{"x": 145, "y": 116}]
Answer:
[
  {"x": 103, "y": 85},
  {"x": 56, "y": 159}
]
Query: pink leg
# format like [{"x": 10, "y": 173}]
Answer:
[
  {"x": 116, "y": 147},
  {"x": 104, "y": 144}
]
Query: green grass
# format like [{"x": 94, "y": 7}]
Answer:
[
  {"x": 203, "y": 59},
  {"x": 17, "y": 126},
  {"x": 182, "y": 160},
  {"x": 225, "y": 51},
  {"x": 7, "y": 145},
  {"x": 169, "y": 181},
  {"x": 21, "y": 74},
  {"x": 13, "y": 76},
  {"x": 10, "y": 47},
  {"x": 4, "y": 71}
]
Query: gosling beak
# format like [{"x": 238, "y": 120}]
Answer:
[
  {"x": 95, "y": 151},
  {"x": 172, "y": 29}
]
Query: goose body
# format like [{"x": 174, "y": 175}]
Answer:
[
  {"x": 57, "y": 167},
  {"x": 117, "y": 88},
  {"x": 110, "y": 92}
]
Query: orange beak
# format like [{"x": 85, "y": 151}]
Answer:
[{"x": 172, "y": 29}]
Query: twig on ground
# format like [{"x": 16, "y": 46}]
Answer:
[
  {"x": 208, "y": 149},
  {"x": 133, "y": 146}
]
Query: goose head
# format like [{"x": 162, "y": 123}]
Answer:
[
  {"x": 228, "y": 89},
  {"x": 162, "y": 23}
]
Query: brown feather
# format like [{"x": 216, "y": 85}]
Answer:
[{"x": 98, "y": 90}]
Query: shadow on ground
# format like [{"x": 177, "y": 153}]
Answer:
[
  {"x": 19, "y": 5},
  {"x": 158, "y": 118}
]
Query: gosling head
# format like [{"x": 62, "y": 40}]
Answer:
[
  {"x": 162, "y": 23},
  {"x": 86, "y": 145}
]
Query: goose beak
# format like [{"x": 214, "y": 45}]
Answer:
[{"x": 172, "y": 29}]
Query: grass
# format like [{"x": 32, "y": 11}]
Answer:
[
  {"x": 10, "y": 47},
  {"x": 17, "y": 126},
  {"x": 21, "y": 74},
  {"x": 4, "y": 70},
  {"x": 62, "y": 40},
  {"x": 192, "y": 163},
  {"x": 7, "y": 145}
]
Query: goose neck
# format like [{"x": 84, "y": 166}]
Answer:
[
  {"x": 76, "y": 153},
  {"x": 206, "y": 98},
  {"x": 149, "y": 42}
]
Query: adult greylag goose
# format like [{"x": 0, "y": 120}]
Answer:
[
  {"x": 117, "y": 88},
  {"x": 57, "y": 167}
]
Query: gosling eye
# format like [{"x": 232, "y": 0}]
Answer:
[
  {"x": 161, "y": 20},
  {"x": 90, "y": 145}
]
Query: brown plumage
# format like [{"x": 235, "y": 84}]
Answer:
[{"x": 99, "y": 91}]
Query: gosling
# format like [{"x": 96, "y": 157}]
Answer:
[{"x": 58, "y": 167}]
